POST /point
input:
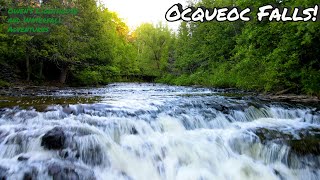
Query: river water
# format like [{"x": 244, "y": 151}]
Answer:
[{"x": 152, "y": 131}]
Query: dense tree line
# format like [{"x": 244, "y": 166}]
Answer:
[
  {"x": 265, "y": 56},
  {"x": 97, "y": 47},
  {"x": 94, "y": 46}
]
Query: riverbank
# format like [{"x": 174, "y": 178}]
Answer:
[{"x": 281, "y": 94}]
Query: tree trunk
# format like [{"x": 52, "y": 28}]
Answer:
[
  {"x": 63, "y": 74},
  {"x": 28, "y": 66},
  {"x": 41, "y": 69}
]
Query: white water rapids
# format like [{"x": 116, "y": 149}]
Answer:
[{"x": 153, "y": 131}]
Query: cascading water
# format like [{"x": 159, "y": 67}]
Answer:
[{"x": 152, "y": 131}]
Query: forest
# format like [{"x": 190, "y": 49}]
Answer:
[{"x": 96, "y": 47}]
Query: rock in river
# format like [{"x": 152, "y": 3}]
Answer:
[{"x": 53, "y": 139}]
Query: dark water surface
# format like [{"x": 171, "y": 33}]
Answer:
[{"x": 153, "y": 131}]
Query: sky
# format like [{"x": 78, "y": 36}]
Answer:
[{"x": 135, "y": 12}]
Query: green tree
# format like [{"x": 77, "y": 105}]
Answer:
[{"x": 152, "y": 43}]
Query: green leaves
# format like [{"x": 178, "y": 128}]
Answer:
[
  {"x": 266, "y": 56},
  {"x": 152, "y": 44}
]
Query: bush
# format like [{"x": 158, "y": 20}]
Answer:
[
  {"x": 89, "y": 77},
  {"x": 310, "y": 79},
  {"x": 4, "y": 83}
]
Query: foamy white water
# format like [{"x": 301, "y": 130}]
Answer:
[{"x": 152, "y": 131}]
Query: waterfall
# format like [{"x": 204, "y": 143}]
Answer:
[{"x": 154, "y": 131}]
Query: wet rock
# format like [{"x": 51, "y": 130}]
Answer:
[
  {"x": 23, "y": 158},
  {"x": 266, "y": 135},
  {"x": 134, "y": 131},
  {"x": 76, "y": 143},
  {"x": 208, "y": 114},
  {"x": 93, "y": 156},
  {"x": 164, "y": 152},
  {"x": 71, "y": 155},
  {"x": 69, "y": 110},
  {"x": 80, "y": 131},
  {"x": 3, "y": 135},
  {"x": 226, "y": 108},
  {"x": 125, "y": 175},
  {"x": 60, "y": 171},
  {"x": 74, "y": 109},
  {"x": 310, "y": 145},
  {"x": 302, "y": 142},
  {"x": 3, "y": 173},
  {"x": 28, "y": 115},
  {"x": 54, "y": 169},
  {"x": 31, "y": 175},
  {"x": 65, "y": 154},
  {"x": 54, "y": 139},
  {"x": 238, "y": 107},
  {"x": 15, "y": 140},
  {"x": 277, "y": 173},
  {"x": 217, "y": 107},
  {"x": 256, "y": 104},
  {"x": 292, "y": 98},
  {"x": 9, "y": 115}
]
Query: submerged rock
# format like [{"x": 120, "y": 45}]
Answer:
[
  {"x": 23, "y": 158},
  {"x": 265, "y": 135},
  {"x": 75, "y": 110},
  {"x": 3, "y": 135},
  {"x": 134, "y": 131},
  {"x": 3, "y": 173},
  {"x": 77, "y": 143},
  {"x": 302, "y": 142},
  {"x": 61, "y": 171},
  {"x": 54, "y": 139},
  {"x": 52, "y": 169},
  {"x": 310, "y": 145},
  {"x": 31, "y": 174},
  {"x": 58, "y": 172}
]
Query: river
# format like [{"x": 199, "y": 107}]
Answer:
[{"x": 134, "y": 131}]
